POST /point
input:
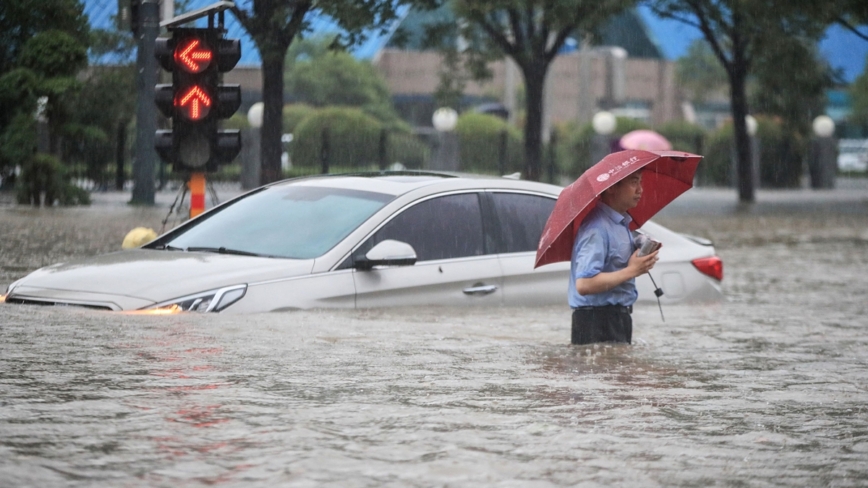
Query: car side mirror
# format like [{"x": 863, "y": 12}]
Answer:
[{"x": 387, "y": 253}]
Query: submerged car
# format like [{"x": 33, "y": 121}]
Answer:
[{"x": 367, "y": 240}]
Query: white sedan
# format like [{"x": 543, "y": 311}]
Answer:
[{"x": 375, "y": 240}]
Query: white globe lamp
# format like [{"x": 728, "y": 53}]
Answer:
[
  {"x": 254, "y": 115},
  {"x": 604, "y": 123},
  {"x": 824, "y": 126},
  {"x": 444, "y": 119},
  {"x": 751, "y": 124}
]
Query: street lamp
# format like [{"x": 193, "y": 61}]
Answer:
[
  {"x": 752, "y": 126},
  {"x": 446, "y": 152},
  {"x": 823, "y": 126},
  {"x": 251, "y": 160},
  {"x": 444, "y": 119},
  {"x": 604, "y": 124},
  {"x": 822, "y": 164}
]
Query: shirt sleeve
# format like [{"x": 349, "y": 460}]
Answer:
[{"x": 590, "y": 253}]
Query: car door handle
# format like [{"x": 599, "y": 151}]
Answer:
[{"x": 480, "y": 289}]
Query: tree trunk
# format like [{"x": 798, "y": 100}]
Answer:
[
  {"x": 739, "y": 109},
  {"x": 272, "y": 116},
  {"x": 534, "y": 80}
]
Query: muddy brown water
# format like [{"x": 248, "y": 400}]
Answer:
[{"x": 768, "y": 388}]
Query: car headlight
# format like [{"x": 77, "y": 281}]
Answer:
[
  {"x": 207, "y": 301},
  {"x": 9, "y": 291}
]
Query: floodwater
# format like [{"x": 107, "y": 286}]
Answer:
[{"x": 769, "y": 388}]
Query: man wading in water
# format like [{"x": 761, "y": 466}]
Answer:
[{"x": 604, "y": 266}]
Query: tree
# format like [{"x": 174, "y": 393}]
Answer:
[
  {"x": 33, "y": 36},
  {"x": 530, "y": 32},
  {"x": 738, "y": 32},
  {"x": 859, "y": 95},
  {"x": 319, "y": 76},
  {"x": 273, "y": 25},
  {"x": 699, "y": 72}
]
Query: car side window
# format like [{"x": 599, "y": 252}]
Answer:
[
  {"x": 522, "y": 218},
  {"x": 440, "y": 228}
]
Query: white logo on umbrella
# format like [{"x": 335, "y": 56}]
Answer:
[{"x": 603, "y": 177}]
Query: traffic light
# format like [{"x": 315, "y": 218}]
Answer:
[{"x": 196, "y": 101}]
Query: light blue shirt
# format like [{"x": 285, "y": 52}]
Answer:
[{"x": 603, "y": 244}]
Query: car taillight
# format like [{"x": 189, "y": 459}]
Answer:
[{"x": 712, "y": 266}]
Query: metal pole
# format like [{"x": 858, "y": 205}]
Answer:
[{"x": 146, "y": 121}]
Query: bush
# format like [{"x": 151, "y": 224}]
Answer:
[
  {"x": 293, "y": 114},
  {"x": 716, "y": 168},
  {"x": 575, "y": 155},
  {"x": 780, "y": 154},
  {"x": 480, "y": 141},
  {"x": 780, "y": 158},
  {"x": 354, "y": 142},
  {"x": 684, "y": 136},
  {"x": 407, "y": 149},
  {"x": 44, "y": 180}
]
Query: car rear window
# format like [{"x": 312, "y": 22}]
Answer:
[{"x": 291, "y": 221}]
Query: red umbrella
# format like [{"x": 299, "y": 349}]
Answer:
[
  {"x": 645, "y": 139},
  {"x": 666, "y": 175}
]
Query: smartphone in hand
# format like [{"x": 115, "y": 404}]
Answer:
[{"x": 646, "y": 245}]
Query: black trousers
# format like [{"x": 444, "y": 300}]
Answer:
[{"x": 611, "y": 323}]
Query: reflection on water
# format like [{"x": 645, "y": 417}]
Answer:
[{"x": 768, "y": 388}]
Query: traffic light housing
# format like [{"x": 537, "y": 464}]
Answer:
[{"x": 196, "y": 100}]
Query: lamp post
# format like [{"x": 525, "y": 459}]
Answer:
[
  {"x": 823, "y": 158},
  {"x": 446, "y": 152},
  {"x": 755, "y": 147},
  {"x": 251, "y": 162},
  {"x": 604, "y": 124}
]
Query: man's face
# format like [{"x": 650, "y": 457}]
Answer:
[{"x": 625, "y": 194}]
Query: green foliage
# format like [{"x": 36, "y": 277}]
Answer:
[
  {"x": 480, "y": 137},
  {"x": 684, "y": 136},
  {"x": 796, "y": 93},
  {"x": 716, "y": 169},
  {"x": 95, "y": 117},
  {"x": 780, "y": 158},
  {"x": 18, "y": 141},
  {"x": 781, "y": 152},
  {"x": 699, "y": 72},
  {"x": 530, "y": 33},
  {"x": 53, "y": 54},
  {"x": 20, "y": 21},
  {"x": 574, "y": 156},
  {"x": 293, "y": 114},
  {"x": 859, "y": 96},
  {"x": 351, "y": 136},
  {"x": 407, "y": 149},
  {"x": 337, "y": 78},
  {"x": 354, "y": 142},
  {"x": 44, "y": 180}
]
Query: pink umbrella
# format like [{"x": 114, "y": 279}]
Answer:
[{"x": 646, "y": 140}]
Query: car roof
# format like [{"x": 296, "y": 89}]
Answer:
[{"x": 402, "y": 182}]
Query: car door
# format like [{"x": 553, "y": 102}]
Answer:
[
  {"x": 453, "y": 266},
  {"x": 520, "y": 218}
]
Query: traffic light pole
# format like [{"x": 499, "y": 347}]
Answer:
[{"x": 146, "y": 115}]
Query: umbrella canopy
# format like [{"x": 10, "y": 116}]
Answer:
[
  {"x": 647, "y": 140},
  {"x": 666, "y": 174}
]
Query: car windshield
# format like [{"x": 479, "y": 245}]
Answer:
[{"x": 291, "y": 221}]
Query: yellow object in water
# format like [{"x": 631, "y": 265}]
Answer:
[{"x": 138, "y": 237}]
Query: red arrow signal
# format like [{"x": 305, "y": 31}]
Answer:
[
  {"x": 195, "y": 103},
  {"x": 193, "y": 56}
]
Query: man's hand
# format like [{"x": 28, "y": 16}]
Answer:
[
  {"x": 639, "y": 265},
  {"x": 606, "y": 281}
]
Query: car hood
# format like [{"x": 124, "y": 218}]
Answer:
[{"x": 141, "y": 277}]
